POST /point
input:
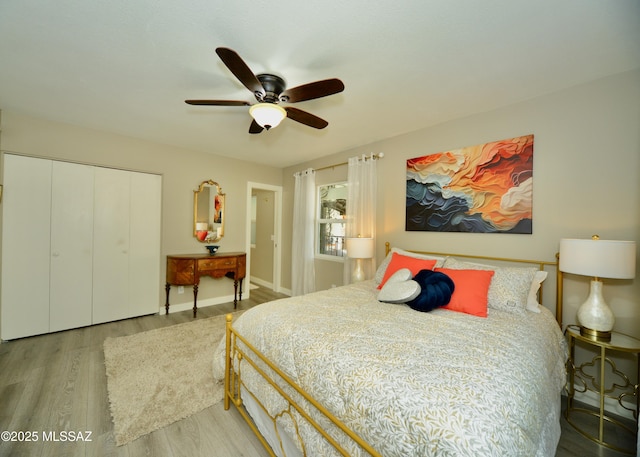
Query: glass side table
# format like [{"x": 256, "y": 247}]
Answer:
[{"x": 596, "y": 383}]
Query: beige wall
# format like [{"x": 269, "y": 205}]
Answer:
[
  {"x": 182, "y": 171},
  {"x": 586, "y": 181}
]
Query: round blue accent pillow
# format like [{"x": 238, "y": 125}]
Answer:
[{"x": 436, "y": 289}]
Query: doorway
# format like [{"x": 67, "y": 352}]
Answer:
[{"x": 264, "y": 213}]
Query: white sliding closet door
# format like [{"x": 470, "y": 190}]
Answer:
[
  {"x": 144, "y": 264},
  {"x": 126, "y": 260},
  {"x": 26, "y": 216},
  {"x": 71, "y": 246},
  {"x": 80, "y": 245},
  {"x": 112, "y": 191}
]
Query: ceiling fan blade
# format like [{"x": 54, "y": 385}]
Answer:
[
  {"x": 240, "y": 70},
  {"x": 312, "y": 90},
  {"x": 305, "y": 118},
  {"x": 255, "y": 127},
  {"x": 217, "y": 102}
]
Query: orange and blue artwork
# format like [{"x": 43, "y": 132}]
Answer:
[{"x": 486, "y": 188}]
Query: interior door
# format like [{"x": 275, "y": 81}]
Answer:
[
  {"x": 71, "y": 246},
  {"x": 26, "y": 219}
]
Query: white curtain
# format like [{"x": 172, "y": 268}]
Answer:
[
  {"x": 361, "y": 209},
  {"x": 303, "y": 276}
]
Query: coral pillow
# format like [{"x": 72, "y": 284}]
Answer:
[
  {"x": 471, "y": 290},
  {"x": 414, "y": 265},
  {"x": 385, "y": 263}
]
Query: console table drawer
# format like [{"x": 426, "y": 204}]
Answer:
[
  {"x": 181, "y": 272},
  {"x": 227, "y": 263}
]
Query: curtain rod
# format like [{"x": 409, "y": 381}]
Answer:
[{"x": 380, "y": 155}]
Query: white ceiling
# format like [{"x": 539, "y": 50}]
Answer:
[{"x": 126, "y": 66}]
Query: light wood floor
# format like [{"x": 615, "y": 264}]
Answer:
[{"x": 57, "y": 382}]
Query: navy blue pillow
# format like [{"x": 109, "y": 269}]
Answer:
[{"x": 435, "y": 290}]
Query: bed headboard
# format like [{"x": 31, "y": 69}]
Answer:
[{"x": 543, "y": 265}]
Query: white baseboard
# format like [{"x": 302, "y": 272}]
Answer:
[
  {"x": 262, "y": 282},
  {"x": 178, "y": 307},
  {"x": 286, "y": 292},
  {"x": 269, "y": 285}
]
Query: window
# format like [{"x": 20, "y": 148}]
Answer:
[{"x": 332, "y": 207}]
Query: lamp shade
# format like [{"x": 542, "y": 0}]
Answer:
[
  {"x": 360, "y": 248},
  {"x": 268, "y": 115},
  {"x": 598, "y": 258}
]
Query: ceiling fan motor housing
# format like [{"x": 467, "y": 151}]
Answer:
[{"x": 273, "y": 87}]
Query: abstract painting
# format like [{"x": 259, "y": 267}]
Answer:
[{"x": 479, "y": 189}]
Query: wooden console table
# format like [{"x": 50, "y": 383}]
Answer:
[{"x": 186, "y": 270}]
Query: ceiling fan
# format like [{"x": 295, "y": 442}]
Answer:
[{"x": 269, "y": 90}]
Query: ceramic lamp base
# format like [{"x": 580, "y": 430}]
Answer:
[
  {"x": 358, "y": 273},
  {"x": 594, "y": 314}
]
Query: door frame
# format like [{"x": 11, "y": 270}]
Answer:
[{"x": 277, "y": 235}]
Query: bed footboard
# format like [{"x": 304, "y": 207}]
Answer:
[{"x": 300, "y": 406}]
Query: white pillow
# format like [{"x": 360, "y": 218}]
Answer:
[
  {"x": 510, "y": 286},
  {"x": 532, "y": 300},
  {"x": 403, "y": 274},
  {"x": 385, "y": 263},
  {"x": 399, "y": 288}
]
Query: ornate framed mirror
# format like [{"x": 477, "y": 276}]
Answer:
[{"x": 208, "y": 212}]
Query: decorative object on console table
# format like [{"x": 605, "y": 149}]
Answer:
[
  {"x": 212, "y": 248},
  {"x": 618, "y": 389},
  {"x": 186, "y": 270},
  {"x": 359, "y": 248},
  {"x": 599, "y": 259}
]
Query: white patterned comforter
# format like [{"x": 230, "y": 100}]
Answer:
[{"x": 416, "y": 384}]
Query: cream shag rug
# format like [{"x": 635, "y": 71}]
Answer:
[{"x": 161, "y": 376}]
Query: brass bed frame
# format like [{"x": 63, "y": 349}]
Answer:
[{"x": 237, "y": 354}]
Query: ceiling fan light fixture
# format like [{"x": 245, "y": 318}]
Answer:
[{"x": 267, "y": 115}]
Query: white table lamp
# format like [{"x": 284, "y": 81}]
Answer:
[
  {"x": 359, "y": 248},
  {"x": 599, "y": 259}
]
